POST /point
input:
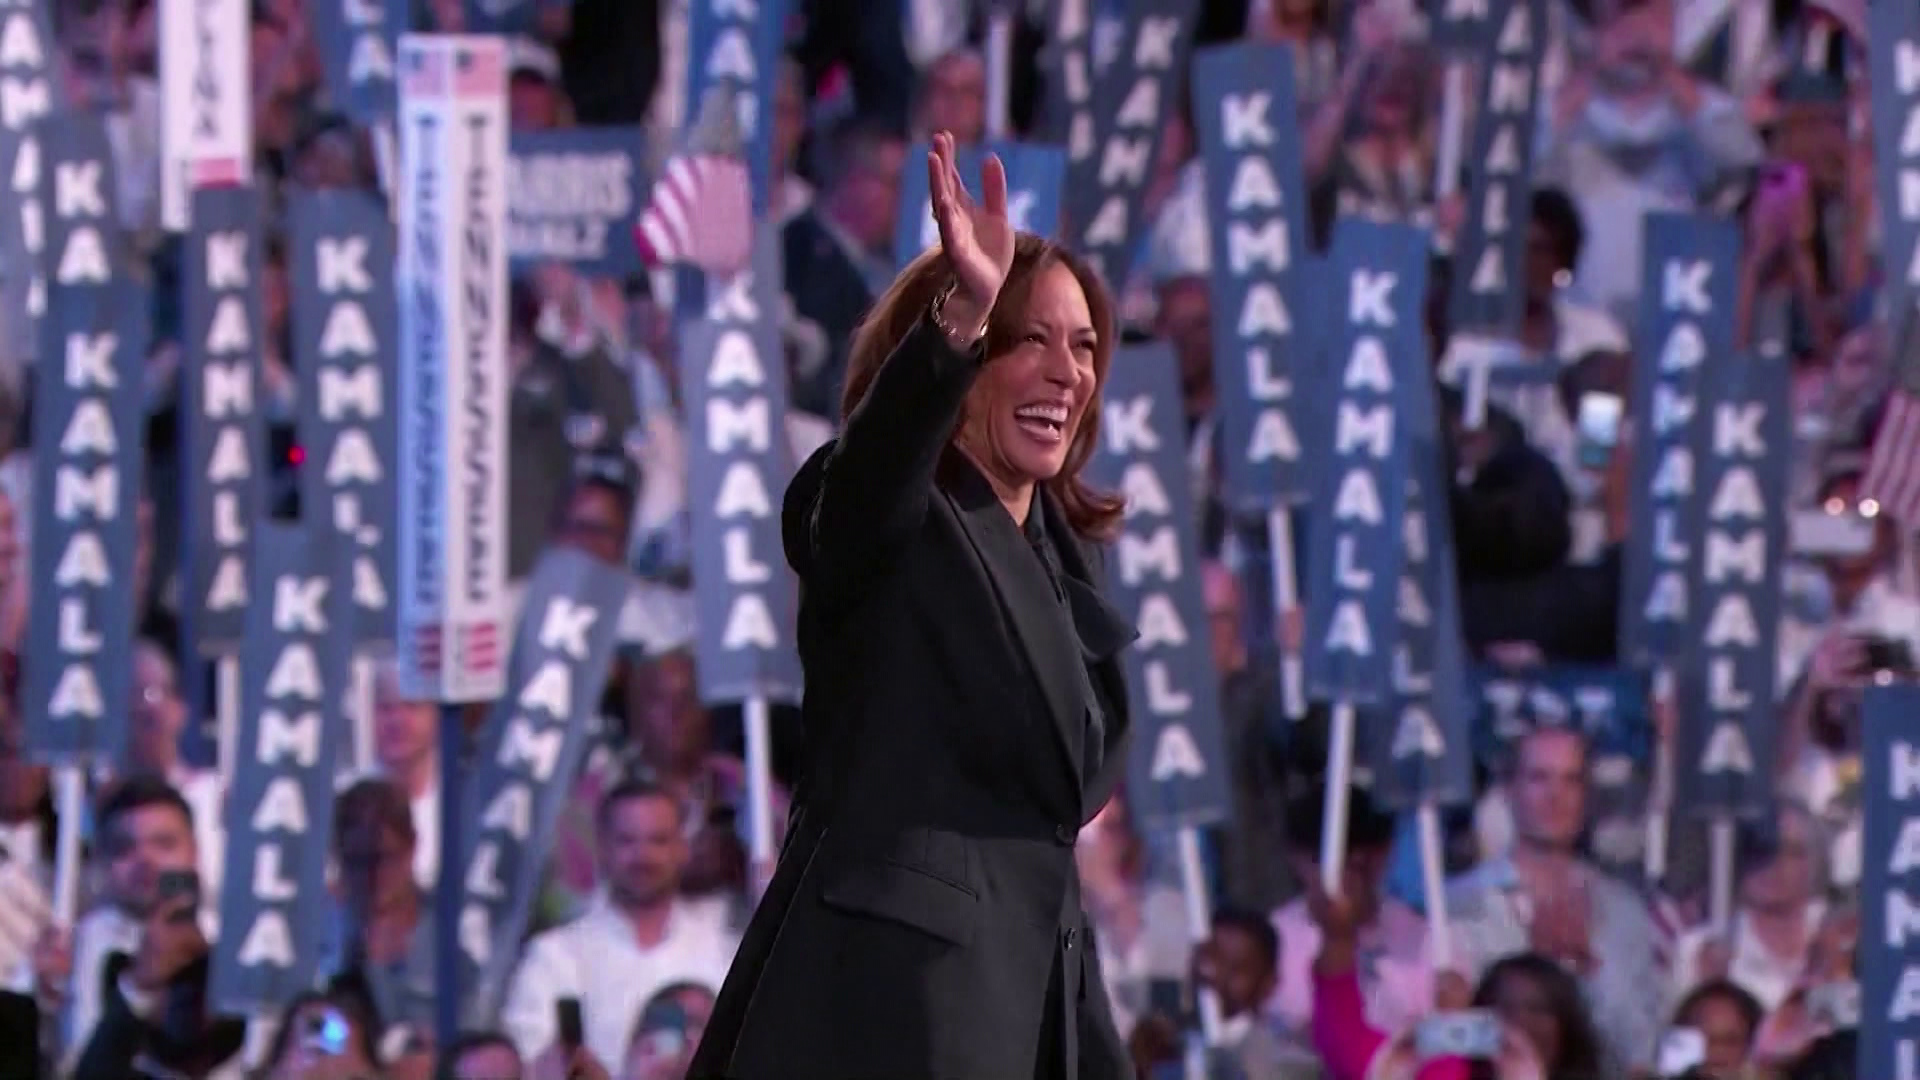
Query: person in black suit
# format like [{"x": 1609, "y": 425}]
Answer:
[{"x": 965, "y": 712}]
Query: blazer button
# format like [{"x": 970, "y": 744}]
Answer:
[{"x": 1065, "y": 835}]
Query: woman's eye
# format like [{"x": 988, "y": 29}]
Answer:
[{"x": 1037, "y": 338}]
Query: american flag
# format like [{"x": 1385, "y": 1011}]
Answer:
[
  {"x": 699, "y": 214},
  {"x": 479, "y": 71},
  {"x": 478, "y": 647},
  {"x": 425, "y": 74},
  {"x": 1893, "y": 469},
  {"x": 426, "y": 649}
]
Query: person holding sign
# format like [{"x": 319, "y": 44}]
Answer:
[{"x": 965, "y": 709}]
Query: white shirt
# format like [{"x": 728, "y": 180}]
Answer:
[
  {"x": 1881, "y": 610},
  {"x": 1766, "y": 976},
  {"x": 596, "y": 959},
  {"x": 24, "y": 900}
]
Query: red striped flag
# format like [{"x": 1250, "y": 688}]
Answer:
[
  {"x": 425, "y": 74},
  {"x": 1893, "y": 470},
  {"x": 479, "y": 647},
  {"x": 479, "y": 72},
  {"x": 426, "y": 649},
  {"x": 700, "y": 214}
]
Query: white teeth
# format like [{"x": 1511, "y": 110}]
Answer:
[{"x": 1056, "y": 414}]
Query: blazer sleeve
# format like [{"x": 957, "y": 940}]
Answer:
[{"x": 859, "y": 499}]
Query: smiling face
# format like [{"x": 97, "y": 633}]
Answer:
[{"x": 1030, "y": 400}]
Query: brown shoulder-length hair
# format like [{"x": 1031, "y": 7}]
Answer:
[{"x": 1092, "y": 514}]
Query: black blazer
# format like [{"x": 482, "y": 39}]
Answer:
[{"x": 927, "y": 885}]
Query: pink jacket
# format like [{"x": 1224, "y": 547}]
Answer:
[{"x": 1344, "y": 1041}]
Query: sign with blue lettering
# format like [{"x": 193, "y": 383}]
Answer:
[
  {"x": 1727, "y": 720},
  {"x": 1686, "y": 316},
  {"x": 1490, "y": 259},
  {"x": 87, "y": 458},
  {"x": 1377, "y": 341},
  {"x": 1460, "y": 26},
  {"x": 1420, "y": 745},
  {"x": 1034, "y": 175},
  {"x": 531, "y": 745},
  {"x": 1178, "y": 773},
  {"x": 1894, "y": 79},
  {"x": 734, "y": 383},
  {"x": 224, "y": 444},
  {"x": 1105, "y": 186},
  {"x": 357, "y": 40},
  {"x": 1245, "y": 119},
  {"x": 736, "y": 44},
  {"x": 344, "y": 322},
  {"x": 574, "y": 196},
  {"x": 1889, "y": 956},
  {"x": 26, "y": 95},
  {"x": 1606, "y": 704},
  {"x": 295, "y": 668}
]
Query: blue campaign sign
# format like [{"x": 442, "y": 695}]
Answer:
[
  {"x": 1606, "y": 704},
  {"x": 27, "y": 54},
  {"x": 1375, "y": 344},
  {"x": 574, "y": 196},
  {"x": 1686, "y": 316},
  {"x": 1727, "y": 723},
  {"x": 1245, "y": 119},
  {"x": 735, "y": 45},
  {"x": 224, "y": 445},
  {"x": 343, "y": 317},
  {"x": 1889, "y": 953},
  {"x": 1067, "y": 115},
  {"x": 527, "y": 754},
  {"x": 1420, "y": 744},
  {"x": 87, "y": 459},
  {"x": 734, "y": 382},
  {"x": 1106, "y": 184},
  {"x": 512, "y": 16},
  {"x": 1460, "y": 26},
  {"x": 1178, "y": 774},
  {"x": 1490, "y": 258},
  {"x": 357, "y": 40},
  {"x": 1894, "y": 80},
  {"x": 295, "y": 672},
  {"x": 1034, "y": 176}
]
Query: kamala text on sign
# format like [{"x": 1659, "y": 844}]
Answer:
[
  {"x": 343, "y": 342},
  {"x": 86, "y": 411},
  {"x": 1889, "y": 952},
  {"x": 1486, "y": 289},
  {"x": 26, "y": 95},
  {"x": 356, "y": 39},
  {"x": 1178, "y": 769},
  {"x": 1895, "y": 84},
  {"x": 1687, "y": 317},
  {"x": 1070, "y": 82},
  {"x": 225, "y": 432},
  {"x": 294, "y": 676},
  {"x": 1256, "y": 218},
  {"x": 737, "y": 43},
  {"x": 739, "y": 457}
]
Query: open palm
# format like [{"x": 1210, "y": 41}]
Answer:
[{"x": 977, "y": 237}]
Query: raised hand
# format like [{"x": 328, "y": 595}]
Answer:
[{"x": 977, "y": 238}]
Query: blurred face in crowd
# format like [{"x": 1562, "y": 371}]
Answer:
[
  {"x": 22, "y": 786},
  {"x": 1391, "y": 105},
  {"x": 376, "y": 862},
  {"x": 1186, "y": 319},
  {"x": 660, "y": 1054},
  {"x": 1856, "y": 361},
  {"x": 403, "y": 731},
  {"x": 1634, "y": 44},
  {"x": 868, "y": 201},
  {"x": 643, "y": 850},
  {"x": 596, "y": 523},
  {"x": 1023, "y": 412},
  {"x": 1788, "y": 878},
  {"x": 1729, "y": 1039},
  {"x": 789, "y": 113},
  {"x": 955, "y": 97},
  {"x": 673, "y": 728},
  {"x": 142, "y": 844},
  {"x": 1522, "y": 1001},
  {"x": 1222, "y": 590},
  {"x": 533, "y": 102},
  {"x": 1545, "y": 262},
  {"x": 159, "y": 716},
  {"x": 1550, "y": 788},
  {"x": 1232, "y": 963},
  {"x": 1842, "y": 496},
  {"x": 494, "y": 1061}
]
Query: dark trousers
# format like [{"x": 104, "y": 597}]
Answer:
[{"x": 1050, "y": 1056}]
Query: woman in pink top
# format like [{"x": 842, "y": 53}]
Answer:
[{"x": 1548, "y": 1035}]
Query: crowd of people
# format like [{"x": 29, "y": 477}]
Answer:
[{"x": 1646, "y": 105}]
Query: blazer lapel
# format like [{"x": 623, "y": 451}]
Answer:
[
  {"x": 1104, "y": 632},
  {"x": 1026, "y": 595}
]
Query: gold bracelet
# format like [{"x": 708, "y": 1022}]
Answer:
[{"x": 957, "y": 338}]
